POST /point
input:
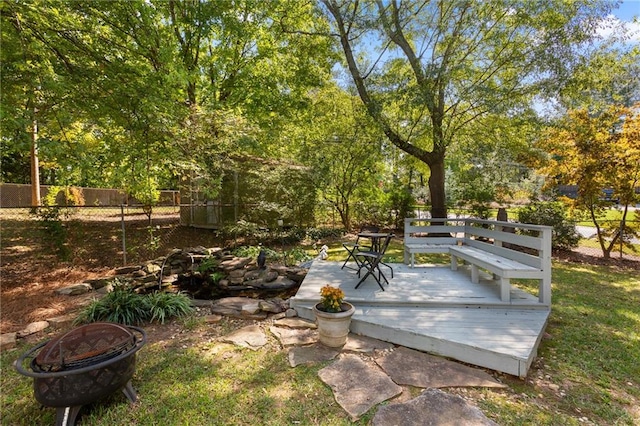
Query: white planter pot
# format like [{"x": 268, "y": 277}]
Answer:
[{"x": 334, "y": 326}]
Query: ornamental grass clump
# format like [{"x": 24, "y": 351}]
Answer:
[
  {"x": 125, "y": 306},
  {"x": 331, "y": 298}
]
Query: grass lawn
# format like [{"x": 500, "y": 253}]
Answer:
[{"x": 587, "y": 370}]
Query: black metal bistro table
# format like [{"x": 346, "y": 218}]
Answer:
[
  {"x": 372, "y": 259},
  {"x": 376, "y": 239}
]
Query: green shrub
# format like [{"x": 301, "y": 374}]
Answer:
[
  {"x": 245, "y": 229},
  {"x": 54, "y": 233},
  {"x": 295, "y": 256},
  {"x": 163, "y": 306},
  {"x": 552, "y": 214},
  {"x": 293, "y": 235},
  {"x": 315, "y": 234},
  {"x": 124, "y": 306},
  {"x": 254, "y": 251},
  {"x": 208, "y": 264}
]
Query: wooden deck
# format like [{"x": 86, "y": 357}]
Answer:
[{"x": 436, "y": 310}]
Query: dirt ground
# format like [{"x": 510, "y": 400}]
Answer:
[{"x": 30, "y": 271}]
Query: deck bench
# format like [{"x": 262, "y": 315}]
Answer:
[
  {"x": 422, "y": 237},
  {"x": 492, "y": 246}
]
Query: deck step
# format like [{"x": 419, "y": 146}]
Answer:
[{"x": 432, "y": 309}]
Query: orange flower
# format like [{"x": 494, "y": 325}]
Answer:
[{"x": 331, "y": 298}]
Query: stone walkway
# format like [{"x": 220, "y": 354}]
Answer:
[{"x": 366, "y": 372}]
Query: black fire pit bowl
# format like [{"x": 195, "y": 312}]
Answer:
[{"x": 105, "y": 364}]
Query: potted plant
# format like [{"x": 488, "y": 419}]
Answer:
[{"x": 333, "y": 316}]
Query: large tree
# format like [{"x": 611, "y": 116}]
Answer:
[
  {"x": 597, "y": 151},
  {"x": 344, "y": 150},
  {"x": 141, "y": 90},
  {"x": 425, "y": 70}
]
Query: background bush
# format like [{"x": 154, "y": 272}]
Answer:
[{"x": 554, "y": 214}]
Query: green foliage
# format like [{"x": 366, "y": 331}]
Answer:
[
  {"x": 401, "y": 204},
  {"x": 424, "y": 102},
  {"x": 254, "y": 251},
  {"x": 54, "y": 231},
  {"x": 480, "y": 210},
  {"x": 596, "y": 151},
  {"x": 124, "y": 306},
  {"x": 63, "y": 196},
  {"x": 553, "y": 213},
  {"x": 292, "y": 235},
  {"x": 216, "y": 276},
  {"x": 295, "y": 256},
  {"x": 163, "y": 306},
  {"x": 246, "y": 229},
  {"x": 289, "y": 257},
  {"x": 208, "y": 264},
  {"x": 316, "y": 234}
]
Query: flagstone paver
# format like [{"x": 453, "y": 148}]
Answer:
[
  {"x": 414, "y": 368},
  {"x": 317, "y": 352},
  {"x": 290, "y": 337},
  {"x": 432, "y": 408},
  {"x": 357, "y": 386},
  {"x": 252, "y": 337},
  {"x": 364, "y": 344},
  {"x": 295, "y": 322},
  {"x": 410, "y": 367}
]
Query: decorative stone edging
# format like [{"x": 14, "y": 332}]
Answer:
[{"x": 240, "y": 273}]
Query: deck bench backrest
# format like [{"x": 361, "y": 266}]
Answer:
[
  {"x": 421, "y": 231},
  {"x": 504, "y": 243}
]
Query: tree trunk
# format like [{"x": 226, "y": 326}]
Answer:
[
  {"x": 35, "y": 167},
  {"x": 436, "y": 189}
]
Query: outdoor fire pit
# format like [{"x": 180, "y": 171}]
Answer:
[{"x": 87, "y": 363}]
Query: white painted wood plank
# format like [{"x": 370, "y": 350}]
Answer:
[{"x": 437, "y": 310}]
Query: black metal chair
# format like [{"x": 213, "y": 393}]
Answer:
[
  {"x": 371, "y": 261},
  {"x": 353, "y": 248}
]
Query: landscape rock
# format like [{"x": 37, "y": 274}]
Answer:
[
  {"x": 212, "y": 319},
  {"x": 281, "y": 283},
  {"x": 295, "y": 323},
  {"x": 251, "y": 308},
  {"x": 235, "y": 263},
  {"x": 357, "y": 386},
  {"x": 106, "y": 289},
  {"x": 152, "y": 268},
  {"x": 201, "y": 303},
  {"x": 251, "y": 337},
  {"x": 124, "y": 270},
  {"x": 410, "y": 367},
  {"x": 98, "y": 283},
  {"x": 318, "y": 352},
  {"x": 237, "y": 273},
  {"x": 7, "y": 341},
  {"x": 61, "y": 321},
  {"x": 364, "y": 344},
  {"x": 32, "y": 328},
  {"x": 433, "y": 407},
  {"x": 75, "y": 290},
  {"x": 290, "y": 337},
  {"x": 274, "y": 306}
]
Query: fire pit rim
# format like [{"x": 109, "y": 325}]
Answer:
[{"x": 18, "y": 363}]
